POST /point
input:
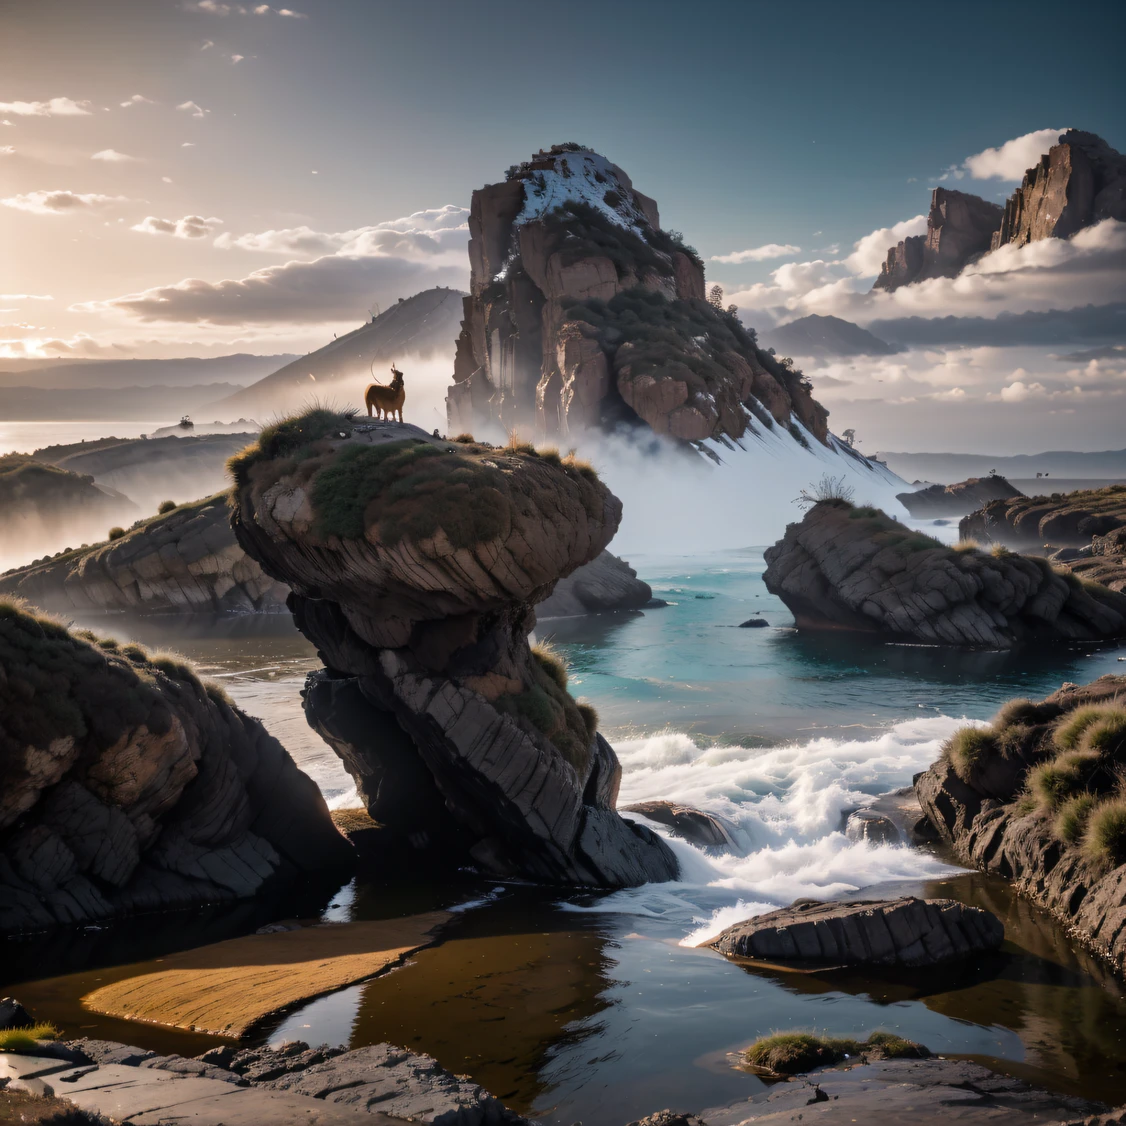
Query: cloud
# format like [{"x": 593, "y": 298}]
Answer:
[
  {"x": 137, "y": 100},
  {"x": 237, "y": 58},
  {"x": 55, "y": 107},
  {"x": 195, "y": 110},
  {"x": 757, "y": 254},
  {"x": 26, "y": 297},
  {"x": 207, "y": 44},
  {"x": 112, "y": 156},
  {"x": 1011, "y": 160},
  {"x": 220, "y": 8},
  {"x": 7, "y": 150},
  {"x": 59, "y": 202},
  {"x": 189, "y": 227},
  {"x": 188, "y": 145},
  {"x": 380, "y": 264},
  {"x": 420, "y": 235},
  {"x": 870, "y": 252},
  {"x": 1018, "y": 391}
]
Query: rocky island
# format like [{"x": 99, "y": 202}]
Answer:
[
  {"x": 959, "y": 499},
  {"x": 415, "y": 565},
  {"x": 854, "y": 568}
]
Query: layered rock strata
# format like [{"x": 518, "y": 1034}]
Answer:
[
  {"x": 1076, "y": 183},
  {"x": 959, "y": 229},
  {"x": 186, "y": 561},
  {"x": 584, "y": 313},
  {"x": 415, "y": 566},
  {"x": 848, "y": 568},
  {"x": 891, "y": 932},
  {"x": 127, "y": 785},
  {"x": 957, "y": 500},
  {"x": 997, "y": 799},
  {"x": 1061, "y": 519}
]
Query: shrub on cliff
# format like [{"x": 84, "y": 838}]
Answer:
[{"x": 286, "y": 436}]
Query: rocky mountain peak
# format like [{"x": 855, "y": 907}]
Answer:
[{"x": 583, "y": 313}]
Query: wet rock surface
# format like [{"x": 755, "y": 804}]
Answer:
[
  {"x": 849, "y": 568},
  {"x": 429, "y": 617},
  {"x": 957, "y": 500},
  {"x": 904, "y": 932},
  {"x": 978, "y": 811},
  {"x": 126, "y": 785},
  {"x": 606, "y": 583},
  {"x": 892, "y": 1092},
  {"x": 705, "y": 830},
  {"x": 185, "y": 561},
  {"x": 250, "y": 1087}
]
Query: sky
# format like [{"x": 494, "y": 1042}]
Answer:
[{"x": 200, "y": 177}]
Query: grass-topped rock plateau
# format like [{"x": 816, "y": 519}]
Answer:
[
  {"x": 850, "y": 567},
  {"x": 1038, "y": 798},
  {"x": 415, "y": 565},
  {"x": 128, "y": 785}
]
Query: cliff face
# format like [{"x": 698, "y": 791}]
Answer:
[
  {"x": 1078, "y": 182},
  {"x": 185, "y": 561},
  {"x": 1031, "y": 798},
  {"x": 959, "y": 227},
  {"x": 583, "y": 313},
  {"x": 415, "y": 564},
  {"x": 1062, "y": 519},
  {"x": 857, "y": 569},
  {"x": 126, "y": 785}
]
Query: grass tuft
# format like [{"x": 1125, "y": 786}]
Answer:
[
  {"x": 165, "y": 506},
  {"x": 967, "y": 545},
  {"x": 115, "y": 533},
  {"x": 968, "y": 748},
  {"x": 1105, "y": 838},
  {"x": 791, "y": 1053},
  {"x": 23, "y": 1039},
  {"x": 1019, "y": 712},
  {"x": 551, "y": 661},
  {"x": 590, "y": 718},
  {"x": 1071, "y": 730},
  {"x": 1072, "y": 817}
]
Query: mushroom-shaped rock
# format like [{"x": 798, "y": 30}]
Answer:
[{"x": 415, "y": 564}]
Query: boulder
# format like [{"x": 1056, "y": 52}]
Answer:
[
  {"x": 606, "y": 583},
  {"x": 848, "y": 568},
  {"x": 705, "y": 830},
  {"x": 415, "y": 565},
  {"x": 128, "y": 785},
  {"x": 186, "y": 561},
  {"x": 957, "y": 500},
  {"x": 583, "y": 314},
  {"x": 977, "y": 808},
  {"x": 754, "y": 623},
  {"x": 866, "y": 825},
  {"x": 13, "y": 1014},
  {"x": 903, "y": 932}
]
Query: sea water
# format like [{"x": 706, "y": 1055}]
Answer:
[{"x": 601, "y": 1007}]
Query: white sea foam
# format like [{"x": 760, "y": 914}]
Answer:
[{"x": 788, "y": 803}]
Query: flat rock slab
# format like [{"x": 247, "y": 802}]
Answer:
[
  {"x": 904, "y": 932},
  {"x": 894, "y": 1092},
  {"x": 224, "y": 988}
]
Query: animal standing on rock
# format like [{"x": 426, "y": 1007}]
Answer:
[{"x": 387, "y": 401}]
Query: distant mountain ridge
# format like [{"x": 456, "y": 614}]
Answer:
[
  {"x": 1063, "y": 464},
  {"x": 816, "y": 335},
  {"x": 422, "y": 325},
  {"x": 239, "y": 368}
]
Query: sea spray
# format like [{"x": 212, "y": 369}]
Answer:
[{"x": 789, "y": 803}]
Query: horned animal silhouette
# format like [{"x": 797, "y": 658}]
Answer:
[{"x": 387, "y": 400}]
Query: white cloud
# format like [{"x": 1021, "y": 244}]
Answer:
[
  {"x": 292, "y": 14},
  {"x": 1011, "y": 160},
  {"x": 219, "y": 8},
  {"x": 195, "y": 110},
  {"x": 757, "y": 253},
  {"x": 420, "y": 235},
  {"x": 188, "y": 145},
  {"x": 137, "y": 100},
  {"x": 26, "y": 297},
  {"x": 112, "y": 156},
  {"x": 380, "y": 263},
  {"x": 189, "y": 227},
  {"x": 237, "y": 58},
  {"x": 870, "y": 252},
  {"x": 59, "y": 202},
  {"x": 207, "y": 44},
  {"x": 7, "y": 150},
  {"x": 55, "y": 107}
]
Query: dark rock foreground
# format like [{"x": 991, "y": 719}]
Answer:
[
  {"x": 415, "y": 565},
  {"x": 850, "y": 568},
  {"x": 127, "y": 785},
  {"x": 903, "y": 932}
]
